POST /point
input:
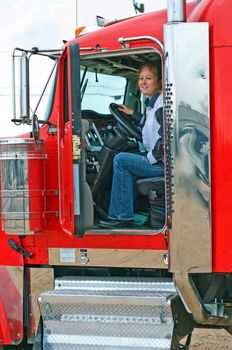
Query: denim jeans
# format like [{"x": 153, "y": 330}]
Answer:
[{"x": 128, "y": 168}]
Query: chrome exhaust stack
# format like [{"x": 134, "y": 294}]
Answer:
[
  {"x": 186, "y": 64},
  {"x": 176, "y": 11}
]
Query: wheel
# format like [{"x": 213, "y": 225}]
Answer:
[{"x": 125, "y": 122}]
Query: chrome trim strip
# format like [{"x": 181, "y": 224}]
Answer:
[
  {"x": 194, "y": 304},
  {"x": 186, "y": 78},
  {"x": 176, "y": 10},
  {"x": 122, "y": 40},
  {"x": 133, "y": 258}
]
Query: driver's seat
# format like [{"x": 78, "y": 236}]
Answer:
[{"x": 154, "y": 189}]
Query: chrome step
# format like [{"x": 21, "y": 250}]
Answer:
[{"x": 108, "y": 314}]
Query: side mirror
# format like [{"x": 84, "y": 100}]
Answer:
[
  {"x": 35, "y": 128},
  {"x": 24, "y": 87}
]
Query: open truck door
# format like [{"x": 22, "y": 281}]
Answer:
[{"x": 72, "y": 183}]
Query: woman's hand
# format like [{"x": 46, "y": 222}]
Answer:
[{"x": 125, "y": 109}]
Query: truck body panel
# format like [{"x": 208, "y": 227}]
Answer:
[{"x": 55, "y": 185}]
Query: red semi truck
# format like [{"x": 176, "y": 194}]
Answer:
[{"x": 65, "y": 282}]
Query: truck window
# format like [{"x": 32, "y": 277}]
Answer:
[
  {"x": 50, "y": 95},
  {"x": 99, "y": 90},
  {"x": 45, "y": 103}
]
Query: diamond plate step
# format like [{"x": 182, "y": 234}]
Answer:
[{"x": 108, "y": 314}]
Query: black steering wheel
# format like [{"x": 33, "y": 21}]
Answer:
[{"x": 125, "y": 122}]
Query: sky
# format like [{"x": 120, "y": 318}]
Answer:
[{"x": 45, "y": 24}]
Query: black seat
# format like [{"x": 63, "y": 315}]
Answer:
[
  {"x": 156, "y": 185},
  {"x": 154, "y": 189}
]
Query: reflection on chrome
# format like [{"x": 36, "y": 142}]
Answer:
[
  {"x": 194, "y": 151},
  {"x": 186, "y": 77},
  {"x": 22, "y": 187}
]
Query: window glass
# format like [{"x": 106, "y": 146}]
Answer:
[
  {"x": 38, "y": 83},
  {"x": 99, "y": 90},
  {"x": 50, "y": 94}
]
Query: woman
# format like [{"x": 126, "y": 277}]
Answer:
[{"x": 129, "y": 167}]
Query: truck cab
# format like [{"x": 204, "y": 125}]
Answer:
[{"x": 148, "y": 286}]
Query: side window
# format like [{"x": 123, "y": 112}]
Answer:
[
  {"x": 99, "y": 90},
  {"x": 43, "y": 88}
]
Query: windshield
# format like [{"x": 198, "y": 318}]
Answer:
[{"x": 99, "y": 90}]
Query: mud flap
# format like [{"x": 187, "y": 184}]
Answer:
[
  {"x": 183, "y": 324},
  {"x": 11, "y": 293}
]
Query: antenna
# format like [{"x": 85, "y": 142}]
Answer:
[{"x": 76, "y": 14}]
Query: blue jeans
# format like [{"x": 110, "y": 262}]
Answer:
[{"x": 128, "y": 168}]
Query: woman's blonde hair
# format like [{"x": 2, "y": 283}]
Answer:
[{"x": 154, "y": 67}]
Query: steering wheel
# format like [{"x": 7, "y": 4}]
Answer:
[{"x": 125, "y": 122}]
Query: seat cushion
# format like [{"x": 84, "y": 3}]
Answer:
[{"x": 155, "y": 184}]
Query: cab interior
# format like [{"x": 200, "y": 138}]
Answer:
[{"x": 106, "y": 81}]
